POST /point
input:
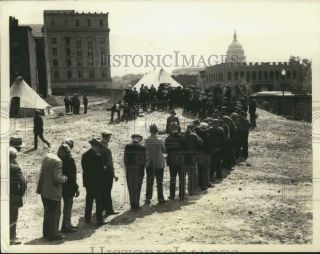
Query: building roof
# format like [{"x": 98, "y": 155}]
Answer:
[{"x": 36, "y": 29}]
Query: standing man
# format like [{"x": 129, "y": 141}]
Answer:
[
  {"x": 134, "y": 161},
  {"x": 154, "y": 164},
  {"x": 109, "y": 173},
  {"x": 50, "y": 188},
  {"x": 38, "y": 129},
  {"x": 17, "y": 189},
  {"x": 70, "y": 188},
  {"x": 252, "y": 112},
  {"x": 76, "y": 104},
  {"x": 85, "y": 103},
  {"x": 67, "y": 104},
  {"x": 244, "y": 127},
  {"x": 93, "y": 180},
  {"x": 173, "y": 145},
  {"x": 172, "y": 118}
]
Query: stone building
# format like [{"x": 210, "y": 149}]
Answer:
[
  {"x": 77, "y": 50},
  {"x": 23, "y": 60},
  {"x": 255, "y": 76}
]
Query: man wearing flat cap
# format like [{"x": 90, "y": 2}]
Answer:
[
  {"x": 172, "y": 118},
  {"x": 93, "y": 180},
  {"x": 109, "y": 173},
  {"x": 134, "y": 161}
]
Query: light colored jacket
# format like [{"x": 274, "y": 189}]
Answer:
[
  {"x": 51, "y": 178},
  {"x": 155, "y": 149}
]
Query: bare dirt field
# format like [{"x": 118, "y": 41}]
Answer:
[{"x": 265, "y": 200}]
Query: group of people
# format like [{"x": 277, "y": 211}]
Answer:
[
  {"x": 196, "y": 155},
  {"x": 72, "y": 104}
]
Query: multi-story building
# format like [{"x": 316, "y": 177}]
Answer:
[
  {"x": 23, "y": 60},
  {"x": 256, "y": 76},
  {"x": 77, "y": 50}
]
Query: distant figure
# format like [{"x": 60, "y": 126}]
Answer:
[
  {"x": 49, "y": 187},
  {"x": 244, "y": 127},
  {"x": 67, "y": 104},
  {"x": 252, "y": 112},
  {"x": 93, "y": 180},
  {"x": 76, "y": 104},
  {"x": 70, "y": 188},
  {"x": 85, "y": 104},
  {"x": 134, "y": 161},
  {"x": 17, "y": 189},
  {"x": 116, "y": 108},
  {"x": 154, "y": 164},
  {"x": 38, "y": 129},
  {"x": 172, "y": 118}
]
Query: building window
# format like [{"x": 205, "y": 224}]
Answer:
[
  {"x": 54, "y": 51},
  {"x": 277, "y": 75},
  {"x": 68, "y": 52},
  {"x": 236, "y": 75},
  {"x": 271, "y": 75},
  {"x": 102, "y": 40},
  {"x": 91, "y": 73},
  {"x": 248, "y": 75},
  {"x": 54, "y": 40},
  {"x": 69, "y": 74},
  {"x": 90, "y": 53},
  {"x": 88, "y": 22},
  {"x": 79, "y": 62},
  {"x": 52, "y": 22},
  {"x": 78, "y": 42},
  {"x": 103, "y": 73},
  {"x": 103, "y": 60},
  {"x": 288, "y": 74},
  {"x": 77, "y": 22},
  {"x": 294, "y": 74},
  {"x": 67, "y": 40},
  {"x": 229, "y": 75},
  {"x": 80, "y": 74},
  {"x": 56, "y": 74},
  {"x": 101, "y": 22},
  {"x": 254, "y": 75},
  {"x": 68, "y": 62},
  {"x": 241, "y": 74},
  {"x": 55, "y": 63},
  {"x": 265, "y": 75},
  {"x": 259, "y": 75}
]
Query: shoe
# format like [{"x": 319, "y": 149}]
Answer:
[
  {"x": 111, "y": 212},
  {"x": 211, "y": 185},
  {"x": 162, "y": 201},
  {"x": 56, "y": 238},
  {"x": 69, "y": 230},
  {"x": 14, "y": 242},
  {"x": 148, "y": 201},
  {"x": 171, "y": 197},
  {"x": 75, "y": 227},
  {"x": 87, "y": 221}
]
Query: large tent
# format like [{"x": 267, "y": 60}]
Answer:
[
  {"x": 29, "y": 99},
  {"x": 155, "y": 78}
]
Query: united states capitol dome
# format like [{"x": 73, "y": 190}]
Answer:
[{"x": 235, "y": 52}]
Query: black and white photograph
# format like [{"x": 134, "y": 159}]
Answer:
[{"x": 160, "y": 126}]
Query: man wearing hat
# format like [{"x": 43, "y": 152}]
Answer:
[
  {"x": 17, "y": 189},
  {"x": 173, "y": 145},
  {"x": 38, "y": 129},
  {"x": 85, "y": 104},
  {"x": 93, "y": 180},
  {"x": 172, "y": 118},
  {"x": 244, "y": 127},
  {"x": 154, "y": 164},
  {"x": 134, "y": 161},
  {"x": 109, "y": 173},
  {"x": 49, "y": 187}
]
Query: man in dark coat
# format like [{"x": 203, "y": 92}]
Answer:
[
  {"x": 17, "y": 189},
  {"x": 109, "y": 175},
  {"x": 76, "y": 104},
  {"x": 172, "y": 118},
  {"x": 93, "y": 180},
  {"x": 85, "y": 104},
  {"x": 217, "y": 141},
  {"x": 244, "y": 127},
  {"x": 67, "y": 104},
  {"x": 38, "y": 129},
  {"x": 134, "y": 161},
  {"x": 69, "y": 188},
  {"x": 252, "y": 112},
  {"x": 174, "y": 149}
]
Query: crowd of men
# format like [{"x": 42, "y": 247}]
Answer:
[
  {"x": 72, "y": 104},
  {"x": 217, "y": 140}
]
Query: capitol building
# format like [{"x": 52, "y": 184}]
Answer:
[{"x": 257, "y": 76}]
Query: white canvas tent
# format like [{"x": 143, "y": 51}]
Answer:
[
  {"x": 155, "y": 78},
  {"x": 29, "y": 99}
]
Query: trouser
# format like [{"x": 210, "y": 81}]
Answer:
[
  {"x": 134, "y": 181},
  {"x": 118, "y": 114},
  {"x": 76, "y": 110},
  {"x": 51, "y": 218},
  {"x": 151, "y": 174},
  {"x": 216, "y": 171},
  {"x": 85, "y": 110},
  {"x": 93, "y": 195},
  {"x": 67, "y": 108},
  {"x": 174, "y": 171},
  {"x": 42, "y": 138},
  {"x": 204, "y": 172},
  {"x": 71, "y": 108},
  {"x": 67, "y": 209},
  {"x": 253, "y": 120},
  {"x": 14, "y": 208},
  {"x": 244, "y": 135},
  {"x": 107, "y": 198},
  {"x": 192, "y": 179}
]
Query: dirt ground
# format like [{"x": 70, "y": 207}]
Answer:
[{"x": 265, "y": 200}]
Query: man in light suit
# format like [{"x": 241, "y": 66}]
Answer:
[
  {"x": 154, "y": 164},
  {"x": 50, "y": 188}
]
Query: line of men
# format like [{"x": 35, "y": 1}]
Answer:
[{"x": 72, "y": 105}]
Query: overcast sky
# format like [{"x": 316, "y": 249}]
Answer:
[{"x": 268, "y": 31}]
